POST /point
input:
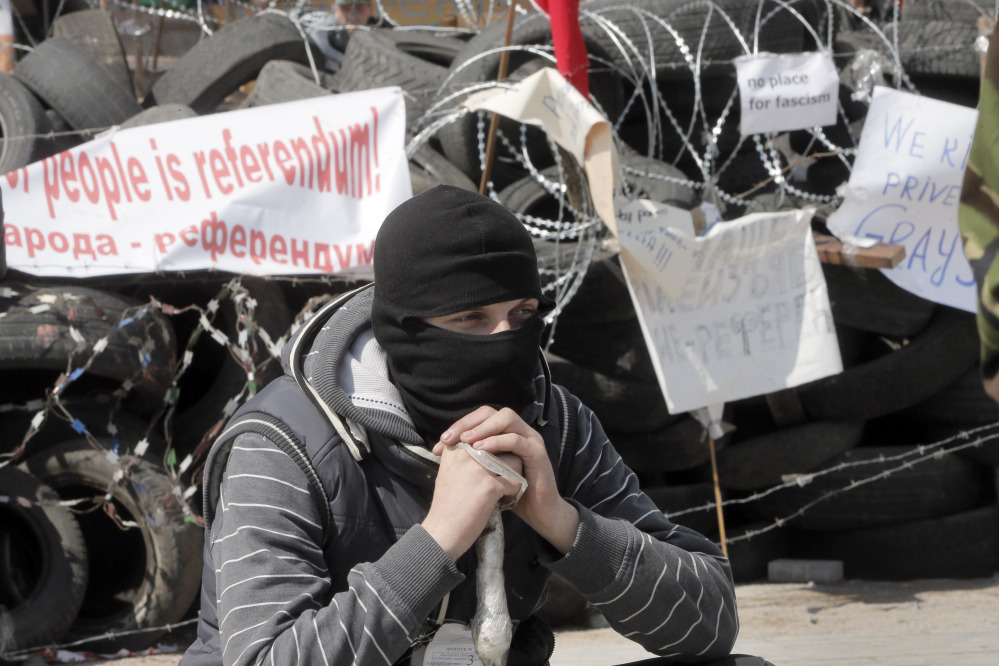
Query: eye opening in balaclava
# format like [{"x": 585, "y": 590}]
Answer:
[{"x": 444, "y": 251}]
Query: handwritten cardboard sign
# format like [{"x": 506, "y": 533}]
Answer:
[
  {"x": 547, "y": 100},
  {"x": 291, "y": 188},
  {"x": 905, "y": 188},
  {"x": 788, "y": 91},
  {"x": 653, "y": 235},
  {"x": 752, "y": 315}
]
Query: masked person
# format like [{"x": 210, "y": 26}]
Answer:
[{"x": 340, "y": 514}]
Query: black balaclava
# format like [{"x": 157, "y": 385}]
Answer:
[{"x": 441, "y": 252}]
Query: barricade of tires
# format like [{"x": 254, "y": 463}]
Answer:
[{"x": 113, "y": 392}]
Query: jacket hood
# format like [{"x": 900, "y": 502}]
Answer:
[{"x": 335, "y": 358}]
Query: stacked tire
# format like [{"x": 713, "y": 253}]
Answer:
[{"x": 96, "y": 546}]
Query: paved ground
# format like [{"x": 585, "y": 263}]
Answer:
[
  {"x": 891, "y": 624},
  {"x": 852, "y": 623}
]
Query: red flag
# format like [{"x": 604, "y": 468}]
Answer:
[{"x": 567, "y": 37}]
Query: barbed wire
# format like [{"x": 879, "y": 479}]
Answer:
[
  {"x": 917, "y": 454},
  {"x": 241, "y": 345},
  {"x": 22, "y": 653}
]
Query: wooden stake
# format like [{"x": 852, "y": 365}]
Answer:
[
  {"x": 879, "y": 255},
  {"x": 494, "y": 121},
  {"x": 718, "y": 499}
]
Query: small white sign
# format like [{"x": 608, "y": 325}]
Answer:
[
  {"x": 905, "y": 188},
  {"x": 752, "y": 315},
  {"x": 788, "y": 91},
  {"x": 653, "y": 235}
]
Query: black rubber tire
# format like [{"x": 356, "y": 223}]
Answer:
[
  {"x": 615, "y": 348},
  {"x": 962, "y": 545},
  {"x": 963, "y": 402},
  {"x": 761, "y": 461},
  {"x": 958, "y": 11},
  {"x": 842, "y": 134},
  {"x": 679, "y": 498},
  {"x": 848, "y": 44},
  {"x": 96, "y": 413},
  {"x": 986, "y": 453},
  {"x": 43, "y": 562},
  {"x": 287, "y": 81},
  {"x": 94, "y": 31},
  {"x": 679, "y": 446},
  {"x": 750, "y": 557},
  {"x": 527, "y": 197},
  {"x": 869, "y": 301},
  {"x": 42, "y": 340},
  {"x": 602, "y": 297},
  {"x": 937, "y": 48},
  {"x": 22, "y": 121},
  {"x": 976, "y": 442},
  {"x": 621, "y": 405},
  {"x": 33, "y": 20},
  {"x": 435, "y": 49},
  {"x": 144, "y": 577},
  {"x": 216, "y": 67},
  {"x": 415, "y": 62},
  {"x": 936, "y": 357},
  {"x": 75, "y": 86},
  {"x": 826, "y": 174},
  {"x": 744, "y": 171},
  {"x": 3, "y": 244},
  {"x": 687, "y": 116},
  {"x": 644, "y": 177},
  {"x": 428, "y": 168},
  {"x": 852, "y": 343},
  {"x": 960, "y": 90},
  {"x": 197, "y": 423},
  {"x": 459, "y": 139},
  {"x": 163, "y": 113},
  {"x": 781, "y": 33},
  {"x": 934, "y": 487}
]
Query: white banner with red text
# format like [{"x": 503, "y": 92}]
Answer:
[{"x": 294, "y": 188}]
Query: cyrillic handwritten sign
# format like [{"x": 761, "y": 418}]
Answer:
[
  {"x": 788, "y": 91},
  {"x": 752, "y": 315},
  {"x": 905, "y": 187},
  {"x": 648, "y": 232},
  {"x": 293, "y": 188}
]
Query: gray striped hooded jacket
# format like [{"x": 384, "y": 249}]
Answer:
[{"x": 314, "y": 553}]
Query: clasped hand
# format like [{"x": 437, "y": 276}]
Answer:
[{"x": 466, "y": 493}]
